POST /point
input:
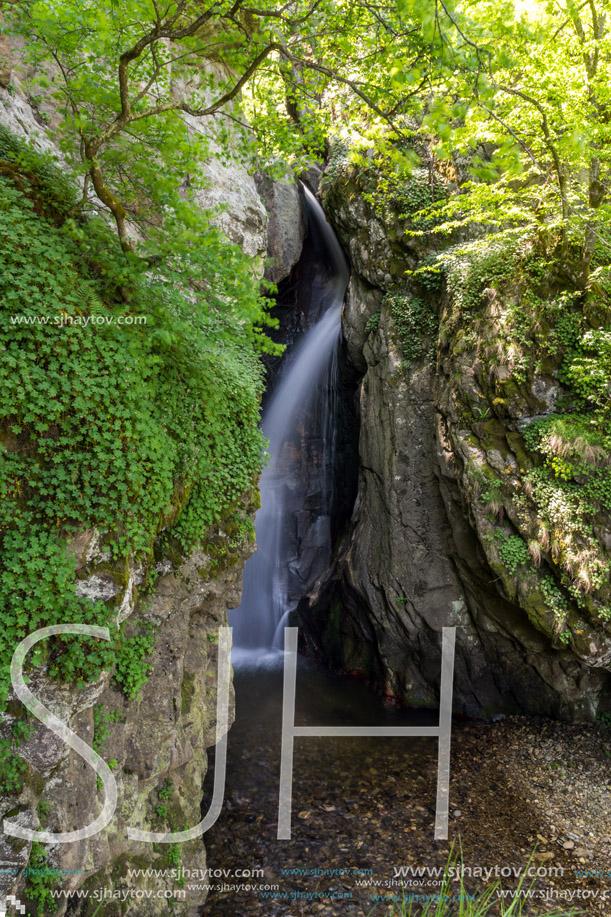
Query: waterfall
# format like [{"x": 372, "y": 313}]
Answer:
[{"x": 292, "y": 527}]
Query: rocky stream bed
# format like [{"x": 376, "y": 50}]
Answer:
[{"x": 361, "y": 804}]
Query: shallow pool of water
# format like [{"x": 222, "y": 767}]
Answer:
[{"x": 352, "y": 797}]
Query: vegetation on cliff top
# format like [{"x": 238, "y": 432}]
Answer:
[
  {"x": 493, "y": 200},
  {"x": 534, "y": 393},
  {"x": 523, "y": 97}
]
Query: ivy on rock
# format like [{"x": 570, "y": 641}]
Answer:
[{"x": 129, "y": 399}]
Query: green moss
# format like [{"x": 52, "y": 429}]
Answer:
[{"x": 187, "y": 692}]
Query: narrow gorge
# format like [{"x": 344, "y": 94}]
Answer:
[{"x": 306, "y": 322}]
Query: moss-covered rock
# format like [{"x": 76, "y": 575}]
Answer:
[{"x": 484, "y": 488}]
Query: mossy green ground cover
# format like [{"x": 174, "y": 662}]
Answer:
[{"x": 129, "y": 401}]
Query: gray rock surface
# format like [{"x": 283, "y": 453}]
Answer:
[
  {"x": 287, "y": 225},
  {"x": 156, "y": 740},
  {"x": 415, "y": 559}
]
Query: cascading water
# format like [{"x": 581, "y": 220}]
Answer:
[
  {"x": 293, "y": 529},
  {"x": 304, "y": 419}
]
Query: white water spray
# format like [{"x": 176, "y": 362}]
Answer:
[{"x": 269, "y": 577}]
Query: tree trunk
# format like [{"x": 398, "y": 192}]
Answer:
[
  {"x": 107, "y": 197},
  {"x": 596, "y": 193}
]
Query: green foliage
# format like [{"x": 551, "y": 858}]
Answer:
[
  {"x": 41, "y": 881},
  {"x": 43, "y": 808},
  {"x": 373, "y": 322},
  {"x": 127, "y": 128},
  {"x": 166, "y": 790},
  {"x": 414, "y": 196},
  {"x": 509, "y": 102},
  {"x": 510, "y": 309},
  {"x": 528, "y": 129},
  {"x": 51, "y": 190},
  {"x": 430, "y": 274},
  {"x": 133, "y": 668},
  {"x": 101, "y": 720},
  {"x": 571, "y": 492},
  {"x": 12, "y": 767},
  {"x": 174, "y": 859},
  {"x": 338, "y": 160},
  {"x": 576, "y": 448},
  {"x": 588, "y": 369},
  {"x": 513, "y": 552},
  {"x": 239, "y": 528},
  {"x": 416, "y": 324},
  {"x": 173, "y": 855},
  {"x": 106, "y": 421},
  {"x": 571, "y": 489},
  {"x": 22, "y": 730},
  {"x": 557, "y": 602},
  {"x": 472, "y": 269},
  {"x": 398, "y": 187}
]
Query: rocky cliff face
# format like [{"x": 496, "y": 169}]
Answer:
[
  {"x": 443, "y": 475},
  {"x": 156, "y": 739},
  {"x": 155, "y": 743}
]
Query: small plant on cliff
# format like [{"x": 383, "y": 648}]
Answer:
[
  {"x": 570, "y": 492},
  {"x": 429, "y": 274},
  {"x": 174, "y": 859},
  {"x": 133, "y": 661},
  {"x": 42, "y": 810},
  {"x": 12, "y": 767},
  {"x": 101, "y": 720},
  {"x": 513, "y": 552},
  {"x": 417, "y": 326},
  {"x": 337, "y": 161},
  {"x": 397, "y": 187},
  {"x": 373, "y": 322},
  {"x": 41, "y": 881}
]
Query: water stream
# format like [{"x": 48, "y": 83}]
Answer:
[{"x": 294, "y": 529}]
